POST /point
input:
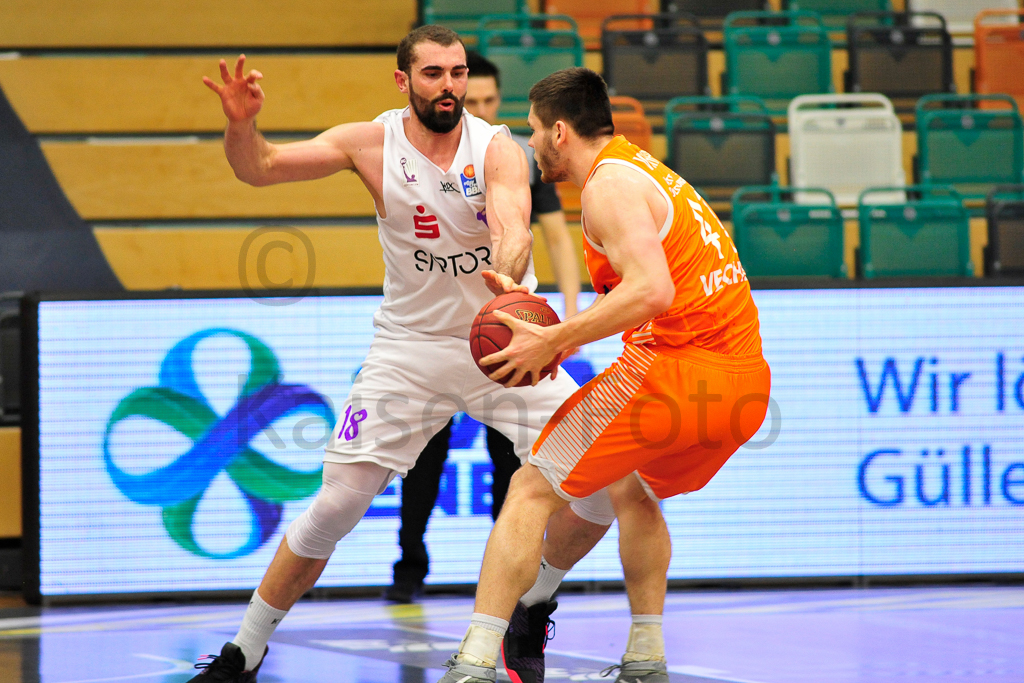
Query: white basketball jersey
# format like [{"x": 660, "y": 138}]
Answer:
[{"x": 435, "y": 237}]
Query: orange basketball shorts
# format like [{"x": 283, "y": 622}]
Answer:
[{"x": 671, "y": 415}]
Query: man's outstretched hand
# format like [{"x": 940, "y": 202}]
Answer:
[{"x": 241, "y": 96}]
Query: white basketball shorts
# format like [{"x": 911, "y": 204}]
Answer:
[{"x": 407, "y": 390}]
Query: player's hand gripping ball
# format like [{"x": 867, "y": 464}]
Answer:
[{"x": 489, "y": 335}]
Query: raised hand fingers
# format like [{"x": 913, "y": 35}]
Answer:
[
  {"x": 211, "y": 85},
  {"x": 239, "y": 66},
  {"x": 225, "y": 75}
]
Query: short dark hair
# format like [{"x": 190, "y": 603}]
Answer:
[
  {"x": 431, "y": 33},
  {"x": 481, "y": 67},
  {"x": 577, "y": 96}
]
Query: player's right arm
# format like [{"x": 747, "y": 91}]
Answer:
[
  {"x": 620, "y": 207},
  {"x": 259, "y": 162}
]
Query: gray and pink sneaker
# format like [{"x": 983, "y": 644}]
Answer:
[{"x": 522, "y": 651}]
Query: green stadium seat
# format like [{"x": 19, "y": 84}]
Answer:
[
  {"x": 777, "y": 237},
  {"x": 928, "y": 235},
  {"x": 519, "y": 22},
  {"x": 464, "y": 15},
  {"x": 720, "y": 144},
  {"x": 515, "y": 22},
  {"x": 776, "y": 56},
  {"x": 526, "y": 56},
  {"x": 969, "y": 148},
  {"x": 835, "y": 12}
]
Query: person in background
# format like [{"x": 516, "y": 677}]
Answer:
[
  {"x": 483, "y": 100},
  {"x": 421, "y": 485}
]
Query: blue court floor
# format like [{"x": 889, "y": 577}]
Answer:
[{"x": 780, "y": 636}]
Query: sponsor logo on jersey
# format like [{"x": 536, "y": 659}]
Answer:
[
  {"x": 409, "y": 171},
  {"x": 716, "y": 280},
  {"x": 426, "y": 224},
  {"x": 466, "y": 263},
  {"x": 646, "y": 159},
  {"x": 447, "y": 187},
  {"x": 470, "y": 187}
]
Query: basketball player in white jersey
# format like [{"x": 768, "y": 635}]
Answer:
[{"x": 453, "y": 204}]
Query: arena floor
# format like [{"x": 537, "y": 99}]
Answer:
[{"x": 780, "y": 636}]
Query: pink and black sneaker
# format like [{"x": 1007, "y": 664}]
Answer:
[
  {"x": 522, "y": 651},
  {"x": 227, "y": 667}
]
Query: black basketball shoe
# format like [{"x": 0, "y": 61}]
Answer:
[
  {"x": 522, "y": 651},
  {"x": 227, "y": 667}
]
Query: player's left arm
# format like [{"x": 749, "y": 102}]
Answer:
[
  {"x": 507, "y": 177},
  {"x": 620, "y": 216}
]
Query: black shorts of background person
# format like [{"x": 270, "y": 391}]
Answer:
[{"x": 419, "y": 495}]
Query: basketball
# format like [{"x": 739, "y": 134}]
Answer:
[{"x": 489, "y": 335}]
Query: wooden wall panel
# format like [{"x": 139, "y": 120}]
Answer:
[
  {"x": 166, "y": 94},
  {"x": 304, "y": 92},
  {"x": 196, "y": 23},
  {"x": 230, "y": 258},
  {"x": 213, "y": 258},
  {"x": 164, "y": 180},
  {"x": 10, "y": 482}
]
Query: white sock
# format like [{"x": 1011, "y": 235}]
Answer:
[
  {"x": 548, "y": 580},
  {"x": 258, "y": 625},
  {"x": 483, "y": 639},
  {"x": 646, "y": 641}
]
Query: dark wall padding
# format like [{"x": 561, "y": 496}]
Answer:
[{"x": 44, "y": 245}]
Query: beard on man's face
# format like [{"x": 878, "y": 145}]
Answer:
[
  {"x": 437, "y": 120},
  {"x": 553, "y": 168}
]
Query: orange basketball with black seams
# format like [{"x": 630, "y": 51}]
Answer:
[{"x": 489, "y": 335}]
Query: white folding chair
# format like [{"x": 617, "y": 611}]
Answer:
[
  {"x": 959, "y": 14},
  {"x": 845, "y": 144}
]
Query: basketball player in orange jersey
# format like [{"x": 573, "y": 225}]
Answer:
[{"x": 690, "y": 387}]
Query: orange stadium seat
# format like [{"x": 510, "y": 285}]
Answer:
[
  {"x": 630, "y": 121},
  {"x": 589, "y": 14},
  {"x": 999, "y": 53}
]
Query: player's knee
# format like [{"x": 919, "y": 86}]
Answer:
[
  {"x": 342, "y": 501},
  {"x": 528, "y": 486},
  {"x": 629, "y": 493},
  {"x": 306, "y": 538}
]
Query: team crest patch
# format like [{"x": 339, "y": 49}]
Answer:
[
  {"x": 470, "y": 187},
  {"x": 409, "y": 171}
]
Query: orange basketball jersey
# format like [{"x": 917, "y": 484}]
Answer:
[{"x": 713, "y": 308}]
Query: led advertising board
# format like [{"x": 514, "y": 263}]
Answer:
[{"x": 894, "y": 444}]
